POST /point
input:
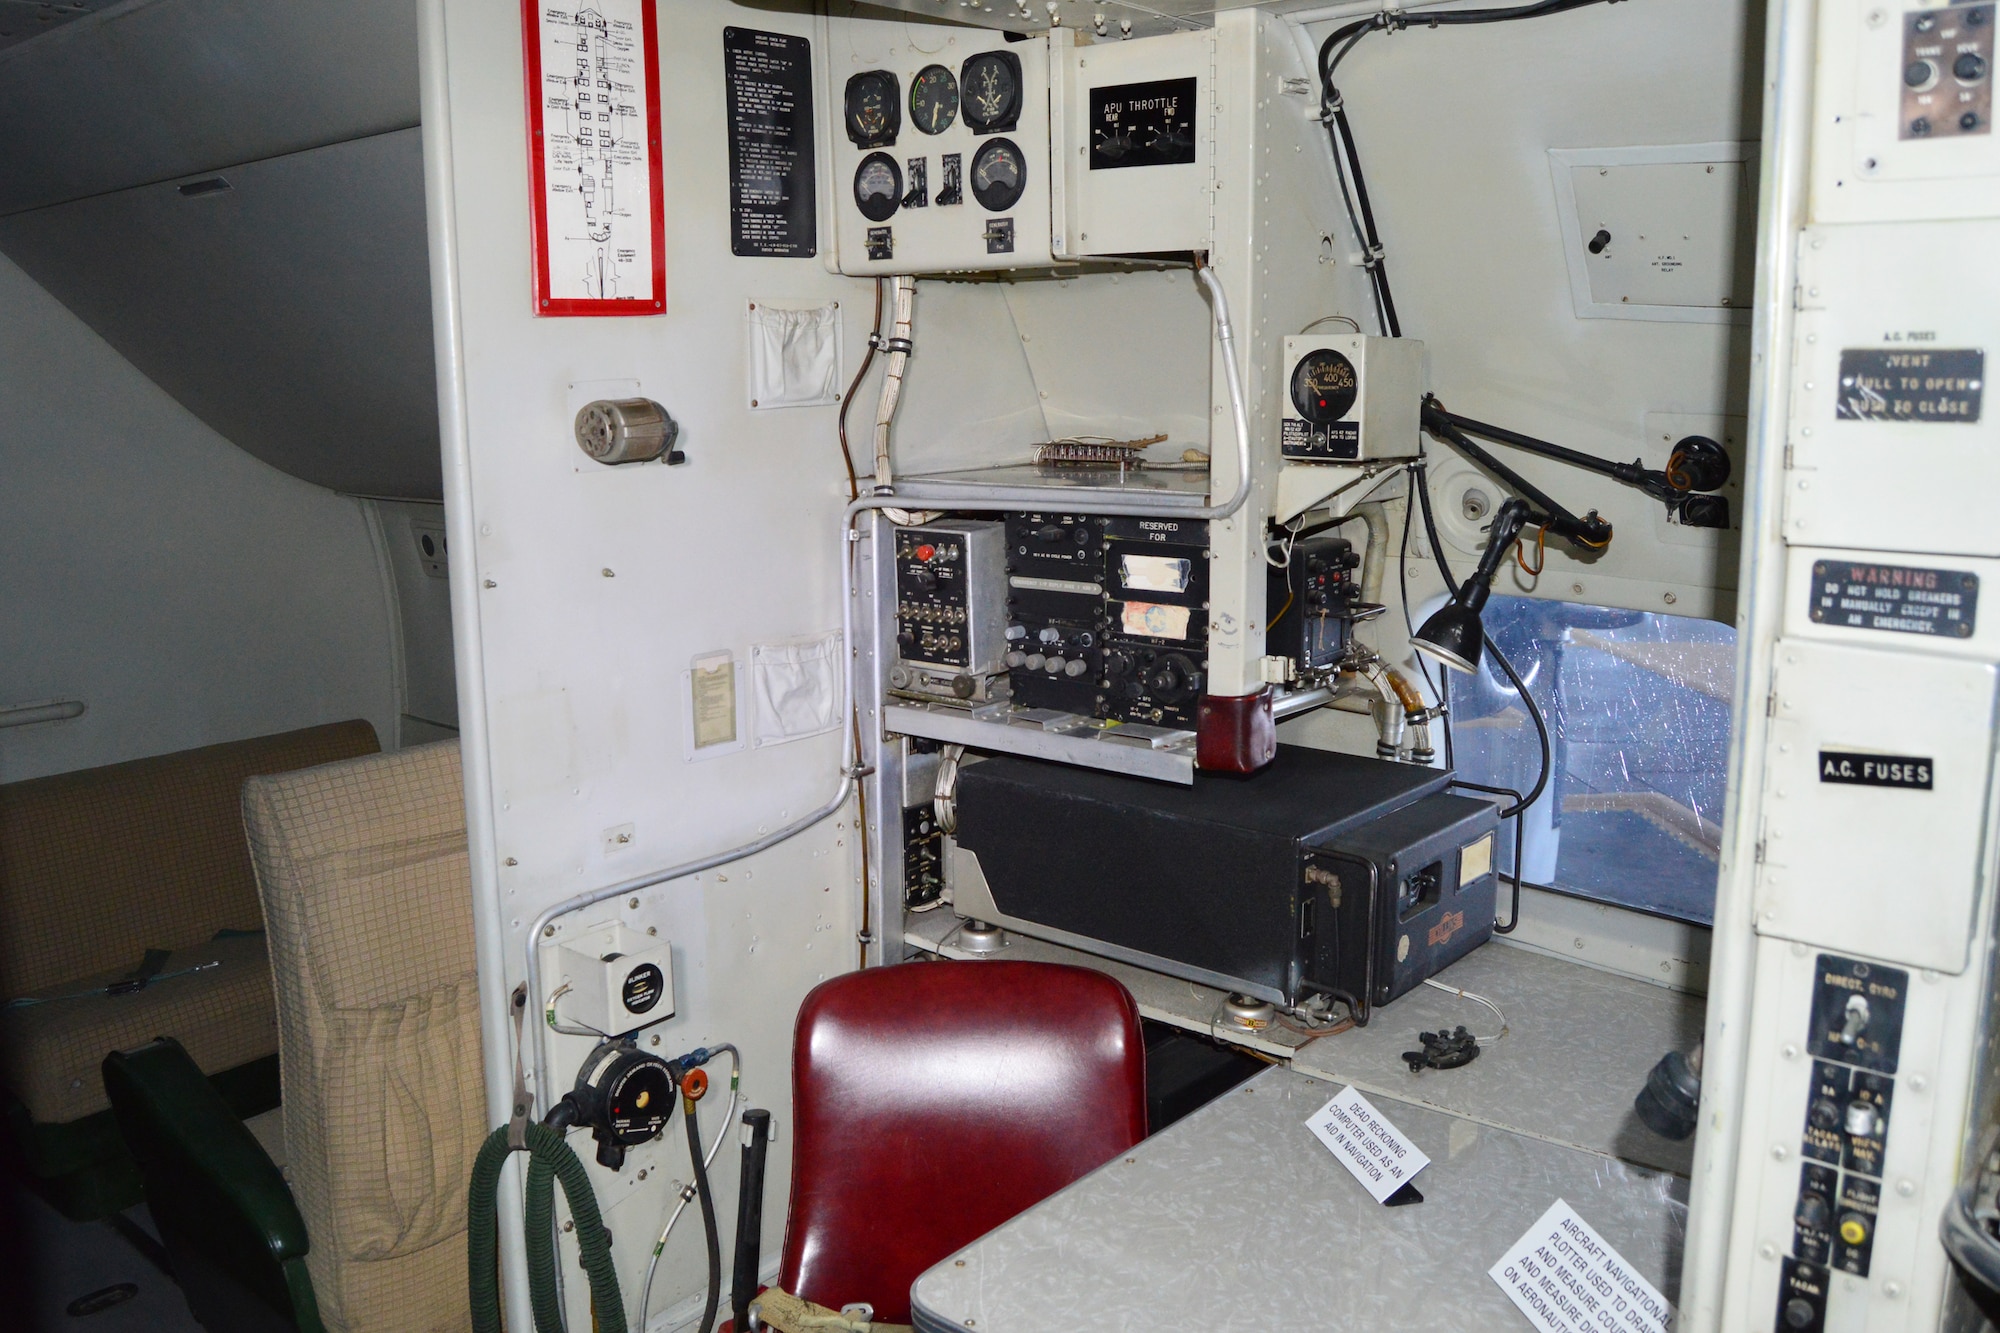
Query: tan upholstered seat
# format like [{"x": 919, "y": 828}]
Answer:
[
  {"x": 100, "y": 865},
  {"x": 368, "y": 906}
]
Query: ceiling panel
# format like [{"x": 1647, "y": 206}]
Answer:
[
  {"x": 288, "y": 308},
  {"x": 147, "y": 91}
]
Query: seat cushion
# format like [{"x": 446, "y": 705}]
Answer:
[
  {"x": 50, "y": 1053},
  {"x": 933, "y": 1101},
  {"x": 100, "y": 865}
]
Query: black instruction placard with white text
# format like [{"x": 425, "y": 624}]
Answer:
[{"x": 768, "y": 76}]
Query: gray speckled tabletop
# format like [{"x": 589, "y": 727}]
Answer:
[
  {"x": 1578, "y": 1048},
  {"x": 1238, "y": 1218},
  {"x": 1579, "y": 1045}
]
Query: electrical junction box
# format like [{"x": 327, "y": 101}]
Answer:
[
  {"x": 610, "y": 979},
  {"x": 1904, "y": 120},
  {"x": 1350, "y": 397},
  {"x": 1869, "y": 787},
  {"x": 1890, "y": 446},
  {"x": 1663, "y": 232},
  {"x": 1135, "y": 143},
  {"x": 941, "y": 159}
]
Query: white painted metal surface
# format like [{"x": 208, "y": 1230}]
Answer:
[
  {"x": 187, "y": 592},
  {"x": 1834, "y": 276}
]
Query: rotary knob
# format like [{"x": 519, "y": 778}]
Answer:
[
  {"x": 1814, "y": 1212},
  {"x": 1862, "y": 1119}
]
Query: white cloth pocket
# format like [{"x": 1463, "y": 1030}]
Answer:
[
  {"x": 794, "y": 355},
  {"x": 797, "y": 688}
]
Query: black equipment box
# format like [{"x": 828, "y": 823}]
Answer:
[{"x": 1351, "y": 877}]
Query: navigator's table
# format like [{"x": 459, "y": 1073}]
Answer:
[{"x": 1238, "y": 1218}]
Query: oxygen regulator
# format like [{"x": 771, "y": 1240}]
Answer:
[{"x": 625, "y": 1096}]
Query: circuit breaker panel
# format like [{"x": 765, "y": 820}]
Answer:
[{"x": 1870, "y": 887}]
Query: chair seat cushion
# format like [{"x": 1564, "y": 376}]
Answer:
[{"x": 50, "y": 1054}]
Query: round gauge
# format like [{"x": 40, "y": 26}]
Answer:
[
  {"x": 1323, "y": 386},
  {"x": 990, "y": 96},
  {"x": 934, "y": 99},
  {"x": 999, "y": 175},
  {"x": 874, "y": 109},
  {"x": 878, "y": 187}
]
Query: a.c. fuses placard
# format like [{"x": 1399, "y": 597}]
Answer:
[{"x": 594, "y": 157}]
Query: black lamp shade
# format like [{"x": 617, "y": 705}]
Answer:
[{"x": 1454, "y": 636}]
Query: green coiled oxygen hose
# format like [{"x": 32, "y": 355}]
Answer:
[{"x": 550, "y": 1160}]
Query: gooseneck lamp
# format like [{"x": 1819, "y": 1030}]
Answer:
[{"x": 1453, "y": 635}]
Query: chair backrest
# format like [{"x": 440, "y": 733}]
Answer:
[
  {"x": 100, "y": 865},
  {"x": 934, "y": 1101},
  {"x": 368, "y": 904}
]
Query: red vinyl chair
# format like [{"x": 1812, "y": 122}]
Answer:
[{"x": 933, "y": 1101}]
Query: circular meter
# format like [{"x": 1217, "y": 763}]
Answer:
[{"x": 1324, "y": 386}]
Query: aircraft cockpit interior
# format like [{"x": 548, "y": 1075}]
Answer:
[{"x": 999, "y": 665}]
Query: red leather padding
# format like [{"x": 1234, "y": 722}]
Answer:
[{"x": 933, "y": 1101}]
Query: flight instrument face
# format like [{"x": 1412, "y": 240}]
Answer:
[
  {"x": 934, "y": 99},
  {"x": 873, "y": 109},
  {"x": 990, "y": 91},
  {"x": 998, "y": 175}
]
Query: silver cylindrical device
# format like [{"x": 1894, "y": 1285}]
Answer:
[{"x": 625, "y": 430}]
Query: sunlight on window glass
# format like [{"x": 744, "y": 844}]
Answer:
[{"x": 1638, "y": 713}]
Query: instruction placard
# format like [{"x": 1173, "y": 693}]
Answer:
[
  {"x": 1374, "y": 1150},
  {"x": 768, "y": 83},
  {"x": 1566, "y": 1279},
  {"x": 594, "y": 121}
]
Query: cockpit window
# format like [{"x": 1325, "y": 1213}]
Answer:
[{"x": 1638, "y": 709}]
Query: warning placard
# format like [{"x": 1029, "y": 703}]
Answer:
[{"x": 1566, "y": 1279}]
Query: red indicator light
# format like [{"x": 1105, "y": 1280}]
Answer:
[{"x": 926, "y": 552}]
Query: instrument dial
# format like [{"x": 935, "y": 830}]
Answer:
[
  {"x": 878, "y": 187},
  {"x": 999, "y": 175},
  {"x": 1323, "y": 386},
  {"x": 934, "y": 99},
  {"x": 990, "y": 95},
  {"x": 874, "y": 109}
]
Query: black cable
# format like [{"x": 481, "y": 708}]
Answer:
[
  {"x": 1351, "y": 33},
  {"x": 707, "y": 1219},
  {"x": 1534, "y": 710},
  {"x": 1334, "y": 115},
  {"x": 1513, "y": 917},
  {"x": 1378, "y": 267}
]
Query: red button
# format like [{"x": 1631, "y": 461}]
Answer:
[{"x": 926, "y": 552}]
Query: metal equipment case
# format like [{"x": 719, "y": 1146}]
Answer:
[{"x": 1323, "y": 872}]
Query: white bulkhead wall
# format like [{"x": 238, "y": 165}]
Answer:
[
  {"x": 583, "y": 593},
  {"x": 1455, "y": 127},
  {"x": 184, "y": 592}
]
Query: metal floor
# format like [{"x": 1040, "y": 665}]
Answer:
[{"x": 65, "y": 1260}]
